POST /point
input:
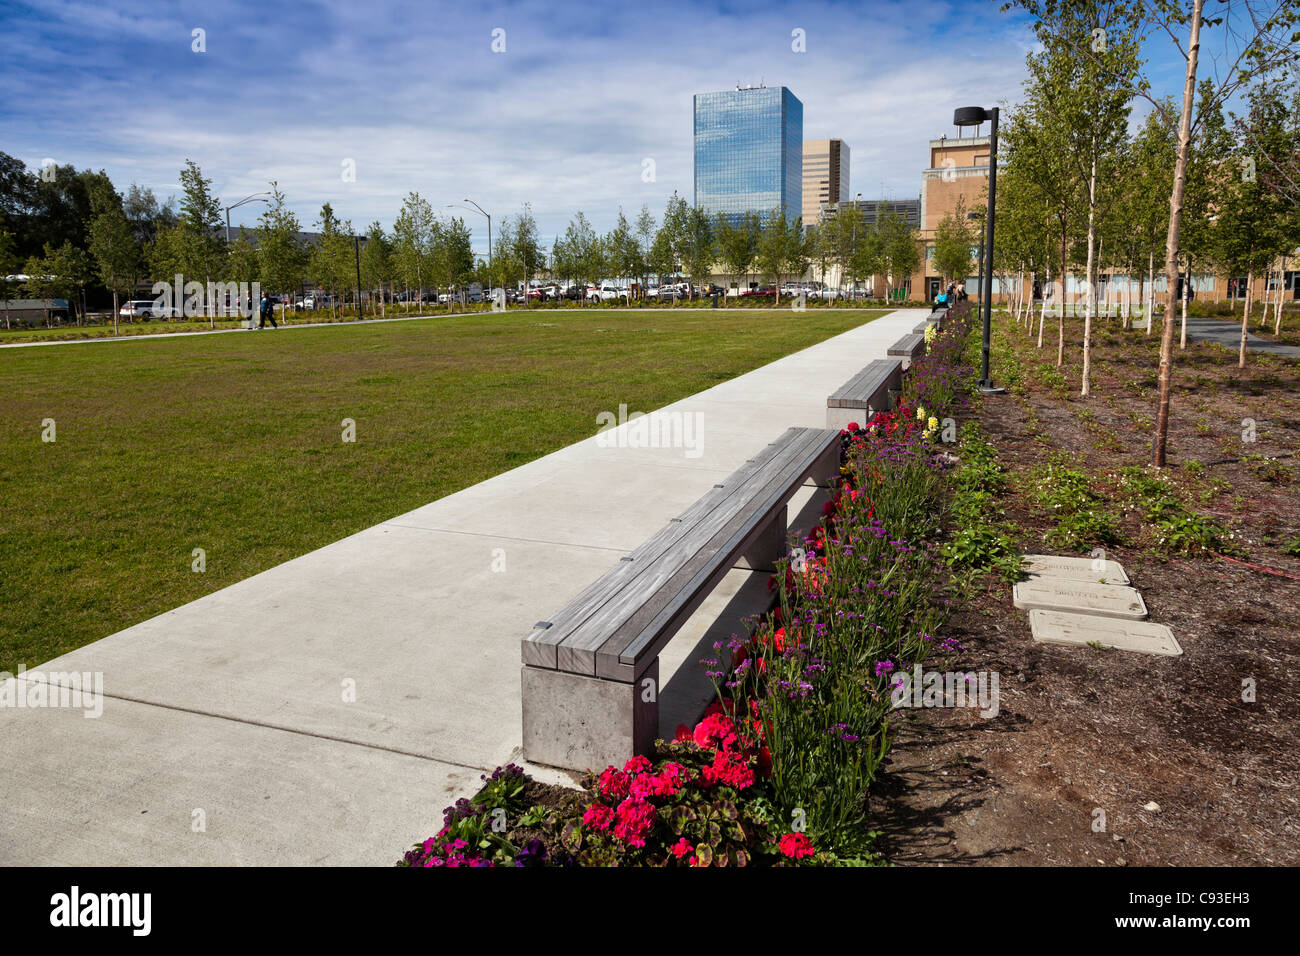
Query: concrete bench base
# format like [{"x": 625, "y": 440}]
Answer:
[{"x": 580, "y": 722}]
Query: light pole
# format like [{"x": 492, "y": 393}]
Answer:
[
  {"x": 853, "y": 256},
  {"x": 974, "y": 116},
  {"x": 356, "y": 248},
  {"x": 252, "y": 198},
  {"x": 489, "y": 219},
  {"x": 979, "y": 282}
]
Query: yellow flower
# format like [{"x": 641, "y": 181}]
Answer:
[
  {"x": 931, "y": 333},
  {"x": 920, "y": 413},
  {"x": 932, "y": 424}
]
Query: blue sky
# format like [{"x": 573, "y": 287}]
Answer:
[{"x": 414, "y": 95}]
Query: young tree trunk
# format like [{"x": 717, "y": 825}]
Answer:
[
  {"x": 1060, "y": 321},
  {"x": 1042, "y": 306},
  {"x": 1151, "y": 291},
  {"x": 1245, "y": 317},
  {"x": 1277, "y": 310},
  {"x": 114, "y": 312},
  {"x": 1090, "y": 295},
  {"x": 1171, "y": 239}
]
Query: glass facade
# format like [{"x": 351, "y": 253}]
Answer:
[{"x": 749, "y": 152}]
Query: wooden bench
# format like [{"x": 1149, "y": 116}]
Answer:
[
  {"x": 920, "y": 327},
  {"x": 865, "y": 394},
  {"x": 591, "y": 673},
  {"x": 908, "y": 348}
]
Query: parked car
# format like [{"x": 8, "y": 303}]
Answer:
[
  {"x": 137, "y": 309},
  {"x": 766, "y": 292}
]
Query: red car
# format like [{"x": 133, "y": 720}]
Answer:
[{"x": 767, "y": 292}]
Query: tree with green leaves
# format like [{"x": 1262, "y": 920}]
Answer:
[
  {"x": 583, "y": 252},
  {"x": 645, "y": 237},
  {"x": 780, "y": 247},
  {"x": 623, "y": 249},
  {"x": 699, "y": 250},
  {"x": 899, "y": 256},
  {"x": 1260, "y": 43},
  {"x": 1086, "y": 98},
  {"x": 413, "y": 240},
  {"x": 114, "y": 249},
  {"x": 526, "y": 250},
  {"x": 195, "y": 244},
  {"x": 58, "y": 274},
  {"x": 953, "y": 239},
  {"x": 458, "y": 253},
  {"x": 332, "y": 259},
  {"x": 279, "y": 247},
  {"x": 8, "y": 266},
  {"x": 737, "y": 244}
]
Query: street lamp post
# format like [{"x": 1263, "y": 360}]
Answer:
[
  {"x": 974, "y": 116},
  {"x": 252, "y": 198},
  {"x": 979, "y": 282},
  {"x": 489, "y": 220},
  {"x": 356, "y": 248}
]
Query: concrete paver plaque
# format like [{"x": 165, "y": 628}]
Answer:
[
  {"x": 1080, "y": 569},
  {"x": 1080, "y": 597},
  {"x": 1056, "y": 627}
]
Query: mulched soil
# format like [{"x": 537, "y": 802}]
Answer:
[{"x": 1083, "y": 729}]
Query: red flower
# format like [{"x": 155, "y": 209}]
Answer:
[
  {"x": 715, "y": 732},
  {"x": 598, "y": 817},
  {"x": 796, "y": 846},
  {"x": 633, "y": 821},
  {"x": 681, "y": 848},
  {"x": 765, "y": 761},
  {"x": 730, "y": 769},
  {"x": 613, "y": 784},
  {"x": 637, "y": 764},
  {"x": 683, "y": 734},
  {"x": 853, "y": 426},
  {"x": 779, "y": 639}
]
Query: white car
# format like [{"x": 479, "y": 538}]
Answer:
[{"x": 138, "y": 309}]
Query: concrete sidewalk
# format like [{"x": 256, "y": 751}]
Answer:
[{"x": 324, "y": 711}]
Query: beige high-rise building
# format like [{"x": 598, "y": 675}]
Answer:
[{"x": 825, "y": 176}]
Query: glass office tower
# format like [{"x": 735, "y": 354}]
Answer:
[{"x": 749, "y": 152}]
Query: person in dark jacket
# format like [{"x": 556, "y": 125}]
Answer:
[{"x": 268, "y": 312}]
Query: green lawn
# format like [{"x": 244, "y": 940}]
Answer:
[{"x": 232, "y": 443}]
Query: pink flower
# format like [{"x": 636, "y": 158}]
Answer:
[
  {"x": 796, "y": 845},
  {"x": 730, "y": 769},
  {"x": 633, "y": 821},
  {"x": 681, "y": 848},
  {"x": 613, "y": 784},
  {"x": 637, "y": 764},
  {"x": 598, "y": 817},
  {"x": 715, "y": 732}
]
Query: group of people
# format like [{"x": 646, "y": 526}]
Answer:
[{"x": 951, "y": 295}]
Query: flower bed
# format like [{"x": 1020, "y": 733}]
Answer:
[{"x": 780, "y": 768}]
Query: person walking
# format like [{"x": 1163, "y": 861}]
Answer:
[{"x": 268, "y": 312}]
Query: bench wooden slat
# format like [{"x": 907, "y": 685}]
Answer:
[
  {"x": 585, "y": 637},
  {"x": 570, "y": 642},
  {"x": 538, "y": 647},
  {"x": 867, "y": 384},
  {"x": 910, "y": 345},
  {"x": 658, "y": 618}
]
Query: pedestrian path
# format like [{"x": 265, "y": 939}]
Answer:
[
  {"x": 154, "y": 336},
  {"x": 325, "y": 710},
  {"x": 1227, "y": 333}
]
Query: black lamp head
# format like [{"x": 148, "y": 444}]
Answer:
[{"x": 970, "y": 116}]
